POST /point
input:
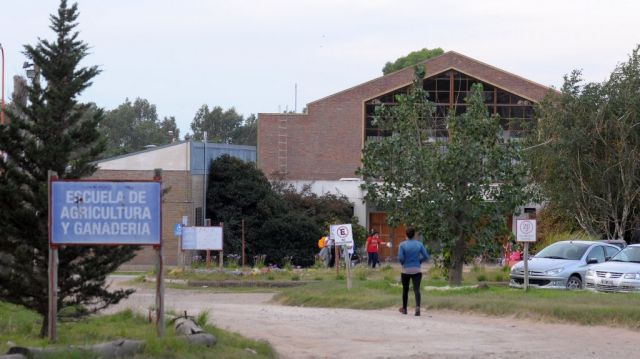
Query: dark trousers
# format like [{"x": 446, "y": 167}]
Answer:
[
  {"x": 416, "y": 279},
  {"x": 373, "y": 259}
]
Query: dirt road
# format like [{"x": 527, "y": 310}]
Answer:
[{"x": 298, "y": 332}]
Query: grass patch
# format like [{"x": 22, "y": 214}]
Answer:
[
  {"x": 579, "y": 307},
  {"x": 21, "y": 326}
]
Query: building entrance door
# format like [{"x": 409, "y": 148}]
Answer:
[{"x": 377, "y": 221}]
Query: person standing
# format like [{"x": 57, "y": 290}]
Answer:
[
  {"x": 373, "y": 244},
  {"x": 411, "y": 254}
]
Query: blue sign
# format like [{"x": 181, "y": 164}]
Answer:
[
  {"x": 177, "y": 229},
  {"x": 87, "y": 212}
]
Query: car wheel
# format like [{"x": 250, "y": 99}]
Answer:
[{"x": 574, "y": 282}]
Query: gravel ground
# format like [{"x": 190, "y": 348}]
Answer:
[{"x": 299, "y": 332}]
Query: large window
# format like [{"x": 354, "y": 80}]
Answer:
[{"x": 448, "y": 91}]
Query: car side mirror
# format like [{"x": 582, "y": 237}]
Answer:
[
  {"x": 592, "y": 260},
  {"x": 606, "y": 259}
]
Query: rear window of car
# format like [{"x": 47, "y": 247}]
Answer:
[{"x": 564, "y": 250}]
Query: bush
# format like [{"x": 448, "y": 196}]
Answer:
[{"x": 289, "y": 236}]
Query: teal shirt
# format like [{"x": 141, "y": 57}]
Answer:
[{"x": 411, "y": 254}]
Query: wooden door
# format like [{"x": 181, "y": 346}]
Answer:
[{"x": 377, "y": 221}]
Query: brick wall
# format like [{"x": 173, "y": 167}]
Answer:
[
  {"x": 326, "y": 143},
  {"x": 176, "y": 203}
]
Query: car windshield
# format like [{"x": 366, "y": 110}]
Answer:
[
  {"x": 564, "y": 250},
  {"x": 629, "y": 254}
]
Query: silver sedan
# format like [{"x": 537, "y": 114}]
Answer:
[
  {"x": 620, "y": 274},
  {"x": 562, "y": 264}
]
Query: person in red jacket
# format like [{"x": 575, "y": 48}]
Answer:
[{"x": 373, "y": 242}]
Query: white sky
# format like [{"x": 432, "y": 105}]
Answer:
[{"x": 249, "y": 53}]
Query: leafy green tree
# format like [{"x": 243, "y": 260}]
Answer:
[
  {"x": 237, "y": 190},
  {"x": 585, "y": 151},
  {"x": 132, "y": 126},
  {"x": 324, "y": 210},
  {"x": 279, "y": 221},
  {"x": 51, "y": 132},
  {"x": 247, "y": 133},
  {"x": 456, "y": 192},
  {"x": 219, "y": 124},
  {"x": 413, "y": 58}
]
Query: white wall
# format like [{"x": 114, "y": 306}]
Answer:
[{"x": 169, "y": 158}]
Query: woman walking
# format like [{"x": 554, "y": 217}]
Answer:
[{"x": 411, "y": 254}]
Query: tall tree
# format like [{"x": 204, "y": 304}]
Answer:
[
  {"x": 219, "y": 124},
  {"x": 413, "y": 58},
  {"x": 51, "y": 133},
  {"x": 457, "y": 191},
  {"x": 247, "y": 133},
  {"x": 133, "y": 125},
  {"x": 585, "y": 151}
]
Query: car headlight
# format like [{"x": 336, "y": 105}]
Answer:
[
  {"x": 591, "y": 273},
  {"x": 635, "y": 276},
  {"x": 554, "y": 271}
]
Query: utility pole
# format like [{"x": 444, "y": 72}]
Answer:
[{"x": 204, "y": 182}]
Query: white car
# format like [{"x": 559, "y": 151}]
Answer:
[
  {"x": 562, "y": 264},
  {"x": 620, "y": 274}
]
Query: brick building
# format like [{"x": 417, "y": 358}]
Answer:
[
  {"x": 322, "y": 147},
  {"x": 183, "y": 168}
]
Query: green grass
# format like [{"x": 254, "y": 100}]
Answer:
[
  {"x": 22, "y": 326},
  {"x": 579, "y": 307}
]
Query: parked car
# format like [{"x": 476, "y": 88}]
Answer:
[
  {"x": 562, "y": 264},
  {"x": 616, "y": 242},
  {"x": 620, "y": 274}
]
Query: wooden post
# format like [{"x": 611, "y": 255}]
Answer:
[
  {"x": 207, "y": 223},
  {"x": 347, "y": 263},
  {"x": 52, "y": 318},
  {"x": 159, "y": 271},
  {"x": 53, "y": 294},
  {"x": 337, "y": 257},
  {"x": 243, "y": 243},
  {"x": 222, "y": 250}
]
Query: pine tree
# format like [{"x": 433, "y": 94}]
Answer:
[{"x": 51, "y": 132}]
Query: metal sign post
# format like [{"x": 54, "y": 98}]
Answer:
[
  {"x": 342, "y": 235},
  {"x": 526, "y": 233},
  {"x": 347, "y": 263}
]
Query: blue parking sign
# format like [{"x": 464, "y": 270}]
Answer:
[{"x": 177, "y": 229}]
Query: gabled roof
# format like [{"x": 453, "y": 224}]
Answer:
[{"x": 451, "y": 60}]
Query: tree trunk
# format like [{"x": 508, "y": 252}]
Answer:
[{"x": 457, "y": 261}]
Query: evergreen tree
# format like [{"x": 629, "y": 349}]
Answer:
[{"x": 51, "y": 132}]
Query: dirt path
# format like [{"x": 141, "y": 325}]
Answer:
[{"x": 298, "y": 332}]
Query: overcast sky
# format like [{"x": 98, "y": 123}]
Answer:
[{"x": 249, "y": 54}]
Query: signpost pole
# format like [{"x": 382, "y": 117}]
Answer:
[
  {"x": 159, "y": 271},
  {"x": 53, "y": 294},
  {"x": 336, "y": 255},
  {"x": 52, "y": 318},
  {"x": 526, "y": 233},
  {"x": 207, "y": 223},
  {"x": 347, "y": 262},
  {"x": 526, "y": 266},
  {"x": 243, "y": 243},
  {"x": 222, "y": 247}
]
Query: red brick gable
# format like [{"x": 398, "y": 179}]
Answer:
[{"x": 326, "y": 142}]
